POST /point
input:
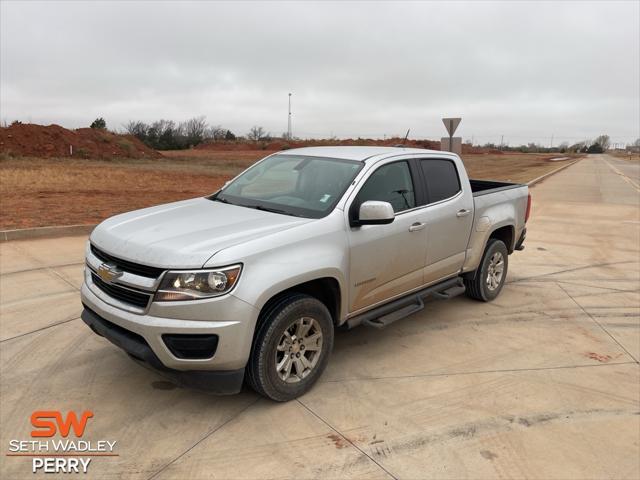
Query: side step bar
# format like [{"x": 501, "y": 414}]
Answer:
[
  {"x": 450, "y": 292},
  {"x": 389, "y": 318},
  {"x": 391, "y": 312}
]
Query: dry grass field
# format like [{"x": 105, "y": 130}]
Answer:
[
  {"x": 38, "y": 192},
  {"x": 633, "y": 157}
]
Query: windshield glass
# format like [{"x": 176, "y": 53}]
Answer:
[{"x": 293, "y": 185}]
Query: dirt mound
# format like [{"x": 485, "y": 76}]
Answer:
[
  {"x": 28, "y": 139},
  {"x": 277, "y": 145}
]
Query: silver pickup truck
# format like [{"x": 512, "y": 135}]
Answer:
[{"x": 250, "y": 283}]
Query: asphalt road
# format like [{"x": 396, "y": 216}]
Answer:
[{"x": 542, "y": 383}]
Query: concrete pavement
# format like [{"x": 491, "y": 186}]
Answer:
[
  {"x": 626, "y": 168},
  {"x": 542, "y": 383}
]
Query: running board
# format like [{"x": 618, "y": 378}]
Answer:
[
  {"x": 391, "y": 312},
  {"x": 450, "y": 292},
  {"x": 392, "y": 317}
]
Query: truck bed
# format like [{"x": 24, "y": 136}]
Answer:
[{"x": 484, "y": 187}]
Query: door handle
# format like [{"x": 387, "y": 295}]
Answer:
[
  {"x": 417, "y": 226},
  {"x": 463, "y": 213}
]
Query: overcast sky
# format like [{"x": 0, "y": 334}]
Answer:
[{"x": 525, "y": 70}]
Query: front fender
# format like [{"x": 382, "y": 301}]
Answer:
[{"x": 282, "y": 261}]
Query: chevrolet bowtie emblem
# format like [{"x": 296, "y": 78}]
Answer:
[{"x": 109, "y": 272}]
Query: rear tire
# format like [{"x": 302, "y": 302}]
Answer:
[
  {"x": 291, "y": 348},
  {"x": 490, "y": 276}
]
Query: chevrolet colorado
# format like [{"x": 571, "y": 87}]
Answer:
[{"x": 250, "y": 283}]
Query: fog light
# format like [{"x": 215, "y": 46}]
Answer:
[{"x": 191, "y": 346}]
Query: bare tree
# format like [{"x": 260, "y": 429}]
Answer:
[
  {"x": 137, "y": 129},
  {"x": 215, "y": 132},
  {"x": 604, "y": 141},
  {"x": 193, "y": 130},
  {"x": 256, "y": 133}
]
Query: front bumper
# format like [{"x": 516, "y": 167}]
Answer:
[
  {"x": 229, "y": 318},
  {"x": 220, "y": 382}
]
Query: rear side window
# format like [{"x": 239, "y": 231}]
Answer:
[{"x": 441, "y": 177}]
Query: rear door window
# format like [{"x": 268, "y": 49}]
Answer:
[{"x": 441, "y": 177}]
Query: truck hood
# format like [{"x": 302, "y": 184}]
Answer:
[{"x": 185, "y": 234}]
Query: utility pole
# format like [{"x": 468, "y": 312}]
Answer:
[
  {"x": 501, "y": 142},
  {"x": 289, "y": 120},
  {"x": 551, "y": 144}
]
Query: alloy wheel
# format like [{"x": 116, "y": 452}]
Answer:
[
  {"x": 495, "y": 271},
  {"x": 298, "y": 350}
]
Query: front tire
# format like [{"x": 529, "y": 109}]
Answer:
[
  {"x": 489, "y": 279},
  {"x": 291, "y": 348}
]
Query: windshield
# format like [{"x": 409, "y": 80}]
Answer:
[{"x": 292, "y": 185}]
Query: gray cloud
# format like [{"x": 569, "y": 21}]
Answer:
[{"x": 523, "y": 69}]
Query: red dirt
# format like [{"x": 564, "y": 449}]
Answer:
[
  {"x": 276, "y": 145},
  {"x": 79, "y": 193},
  {"x": 598, "y": 357},
  {"x": 29, "y": 139},
  {"x": 36, "y": 192}
]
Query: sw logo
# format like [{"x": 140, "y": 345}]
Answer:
[
  {"x": 60, "y": 455},
  {"x": 48, "y": 428}
]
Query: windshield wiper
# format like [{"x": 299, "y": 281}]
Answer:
[
  {"x": 269, "y": 209},
  {"x": 256, "y": 207},
  {"x": 217, "y": 198}
]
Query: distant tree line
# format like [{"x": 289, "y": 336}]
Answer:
[
  {"x": 600, "y": 144},
  {"x": 169, "y": 135}
]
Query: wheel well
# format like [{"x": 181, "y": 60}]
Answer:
[
  {"x": 326, "y": 289},
  {"x": 506, "y": 234}
]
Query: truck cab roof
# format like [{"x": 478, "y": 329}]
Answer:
[{"x": 358, "y": 153}]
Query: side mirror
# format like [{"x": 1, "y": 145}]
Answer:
[{"x": 374, "y": 212}]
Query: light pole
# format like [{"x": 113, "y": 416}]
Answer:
[{"x": 289, "y": 120}]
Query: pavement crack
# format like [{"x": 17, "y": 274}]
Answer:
[
  {"x": 347, "y": 439},
  {"x": 40, "y": 329},
  {"x": 63, "y": 278},
  {"x": 566, "y": 282},
  {"x": 74, "y": 264},
  {"x": 207, "y": 435},
  {"x": 478, "y": 372},
  {"x": 573, "y": 269},
  {"x": 597, "y": 322}
]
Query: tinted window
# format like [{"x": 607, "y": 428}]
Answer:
[
  {"x": 291, "y": 184},
  {"x": 390, "y": 183},
  {"x": 441, "y": 177}
]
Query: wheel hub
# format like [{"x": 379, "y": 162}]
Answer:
[{"x": 295, "y": 347}]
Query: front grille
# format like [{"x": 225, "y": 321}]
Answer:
[
  {"x": 127, "y": 266},
  {"x": 125, "y": 295}
]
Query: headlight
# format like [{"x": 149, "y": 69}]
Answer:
[{"x": 195, "y": 284}]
